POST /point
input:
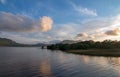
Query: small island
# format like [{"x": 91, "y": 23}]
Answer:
[{"x": 93, "y": 48}]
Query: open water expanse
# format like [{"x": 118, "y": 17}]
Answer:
[{"x": 36, "y": 62}]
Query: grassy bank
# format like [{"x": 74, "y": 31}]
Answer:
[{"x": 97, "y": 52}]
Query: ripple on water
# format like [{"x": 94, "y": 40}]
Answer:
[{"x": 34, "y": 62}]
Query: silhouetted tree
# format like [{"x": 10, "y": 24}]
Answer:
[{"x": 106, "y": 44}]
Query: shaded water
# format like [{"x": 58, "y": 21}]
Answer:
[{"x": 35, "y": 62}]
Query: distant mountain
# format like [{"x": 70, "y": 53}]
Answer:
[
  {"x": 47, "y": 43},
  {"x": 40, "y": 44},
  {"x": 54, "y": 42},
  {"x": 69, "y": 41},
  {"x": 62, "y": 42},
  {"x": 7, "y": 42}
]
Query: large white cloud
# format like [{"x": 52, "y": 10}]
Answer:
[
  {"x": 46, "y": 23},
  {"x": 19, "y": 23}
]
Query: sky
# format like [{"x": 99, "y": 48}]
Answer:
[{"x": 34, "y": 21}]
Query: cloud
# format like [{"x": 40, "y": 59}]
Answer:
[
  {"x": 20, "y": 23},
  {"x": 61, "y": 32},
  {"x": 3, "y": 1},
  {"x": 46, "y": 23},
  {"x": 113, "y": 32},
  {"x": 83, "y": 10},
  {"x": 90, "y": 29},
  {"x": 82, "y": 35},
  {"x": 91, "y": 36}
]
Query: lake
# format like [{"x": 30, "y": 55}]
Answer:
[{"x": 36, "y": 62}]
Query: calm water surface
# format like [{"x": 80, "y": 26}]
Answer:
[{"x": 35, "y": 62}]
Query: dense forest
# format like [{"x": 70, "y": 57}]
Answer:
[{"x": 106, "y": 44}]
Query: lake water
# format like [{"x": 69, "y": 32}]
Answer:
[{"x": 35, "y": 62}]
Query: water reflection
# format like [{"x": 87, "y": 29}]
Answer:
[
  {"x": 45, "y": 69},
  {"x": 86, "y": 59},
  {"x": 34, "y": 62}
]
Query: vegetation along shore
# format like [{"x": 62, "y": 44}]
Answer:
[{"x": 94, "y": 48}]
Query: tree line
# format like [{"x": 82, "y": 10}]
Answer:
[{"x": 106, "y": 44}]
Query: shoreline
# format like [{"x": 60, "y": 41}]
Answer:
[{"x": 97, "y": 52}]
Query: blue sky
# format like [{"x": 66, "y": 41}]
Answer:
[{"x": 32, "y": 21}]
